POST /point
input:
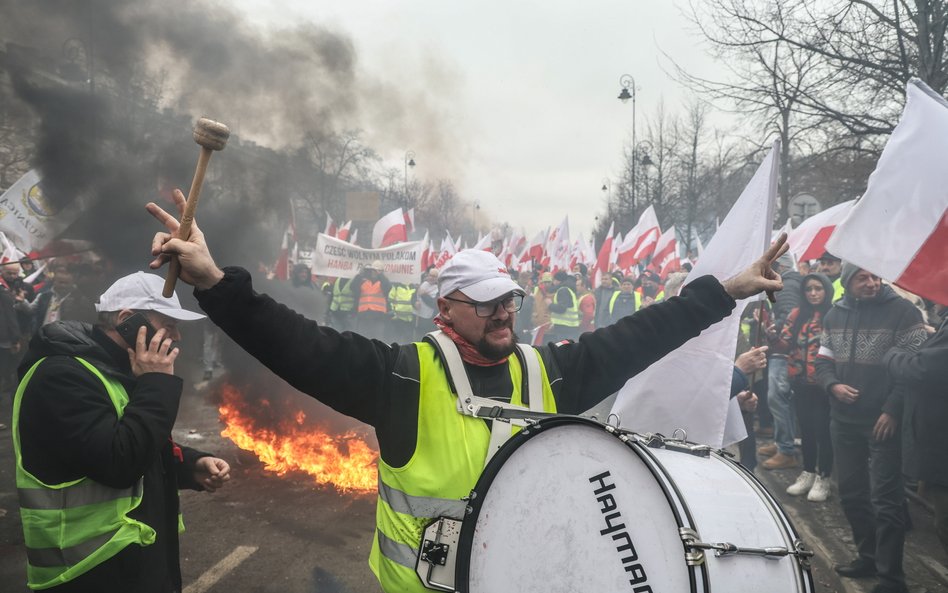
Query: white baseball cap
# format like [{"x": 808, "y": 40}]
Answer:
[
  {"x": 478, "y": 274},
  {"x": 142, "y": 292}
]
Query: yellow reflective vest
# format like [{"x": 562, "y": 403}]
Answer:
[
  {"x": 342, "y": 299},
  {"x": 71, "y": 528},
  {"x": 450, "y": 452},
  {"x": 401, "y": 299},
  {"x": 569, "y": 317}
]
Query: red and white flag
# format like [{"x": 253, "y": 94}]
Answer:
[
  {"x": 448, "y": 249},
  {"x": 330, "y": 226},
  {"x": 410, "y": 220},
  {"x": 355, "y": 237},
  {"x": 534, "y": 250},
  {"x": 899, "y": 229},
  {"x": 689, "y": 388},
  {"x": 483, "y": 243},
  {"x": 602, "y": 261},
  {"x": 639, "y": 242},
  {"x": 390, "y": 229},
  {"x": 808, "y": 241},
  {"x": 666, "y": 258},
  {"x": 425, "y": 252},
  {"x": 343, "y": 231}
]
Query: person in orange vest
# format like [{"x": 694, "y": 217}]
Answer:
[{"x": 370, "y": 293}]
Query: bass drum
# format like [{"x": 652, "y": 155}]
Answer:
[{"x": 571, "y": 505}]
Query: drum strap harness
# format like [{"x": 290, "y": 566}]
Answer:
[{"x": 482, "y": 407}]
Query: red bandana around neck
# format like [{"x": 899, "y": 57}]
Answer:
[{"x": 469, "y": 353}]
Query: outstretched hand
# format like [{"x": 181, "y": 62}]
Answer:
[
  {"x": 197, "y": 266},
  {"x": 760, "y": 276}
]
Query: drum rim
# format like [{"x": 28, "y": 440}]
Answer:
[{"x": 466, "y": 537}]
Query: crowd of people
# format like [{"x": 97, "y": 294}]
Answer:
[{"x": 839, "y": 370}]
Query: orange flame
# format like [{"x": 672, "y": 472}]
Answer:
[{"x": 344, "y": 461}]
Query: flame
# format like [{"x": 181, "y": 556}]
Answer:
[{"x": 344, "y": 461}]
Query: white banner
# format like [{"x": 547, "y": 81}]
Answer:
[
  {"x": 28, "y": 217},
  {"x": 339, "y": 259}
]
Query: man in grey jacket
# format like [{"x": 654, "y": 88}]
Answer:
[{"x": 869, "y": 321}]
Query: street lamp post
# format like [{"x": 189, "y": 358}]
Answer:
[
  {"x": 628, "y": 84},
  {"x": 409, "y": 162},
  {"x": 475, "y": 206},
  {"x": 643, "y": 148}
]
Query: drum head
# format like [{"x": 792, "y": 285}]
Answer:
[{"x": 569, "y": 507}]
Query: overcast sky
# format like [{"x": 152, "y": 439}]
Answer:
[{"x": 527, "y": 89}]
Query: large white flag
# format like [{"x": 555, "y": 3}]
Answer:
[
  {"x": 899, "y": 229},
  {"x": 690, "y": 387},
  {"x": 29, "y": 218}
]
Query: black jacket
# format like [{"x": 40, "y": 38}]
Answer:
[
  {"x": 356, "y": 375},
  {"x": 856, "y": 336},
  {"x": 925, "y": 375},
  {"x": 69, "y": 429}
]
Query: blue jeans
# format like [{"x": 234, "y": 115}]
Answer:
[{"x": 779, "y": 400}]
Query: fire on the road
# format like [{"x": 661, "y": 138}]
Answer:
[{"x": 344, "y": 461}]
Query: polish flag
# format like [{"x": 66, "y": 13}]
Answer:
[
  {"x": 899, "y": 229},
  {"x": 390, "y": 229},
  {"x": 355, "y": 237},
  {"x": 483, "y": 243},
  {"x": 343, "y": 232},
  {"x": 639, "y": 242},
  {"x": 535, "y": 248},
  {"x": 558, "y": 236},
  {"x": 410, "y": 220},
  {"x": 425, "y": 252},
  {"x": 665, "y": 259},
  {"x": 605, "y": 253},
  {"x": 448, "y": 249},
  {"x": 808, "y": 241},
  {"x": 331, "y": 229},
  {"x": 281, "y": 270}
]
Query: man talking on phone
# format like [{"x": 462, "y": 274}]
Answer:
[{"x": 97, "y": 473}]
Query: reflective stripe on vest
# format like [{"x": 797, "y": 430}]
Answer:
[
  {"x": 342, "y": 299},
  {"x": 371, "y": 297},
  {"x": 442, "y": 470},
  {"x": 569, "y": 317},
  {"x": 72, "y": 527},
  {"x": 401, "y": 298}
]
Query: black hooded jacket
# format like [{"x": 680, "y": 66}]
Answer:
[{"x": 69, "y": 429}]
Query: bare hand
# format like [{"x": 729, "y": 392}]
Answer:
[
  {"x": 153, "y": 357},
  {"x": 753, "y": 360},
  {"x": 844, "y": 393},
  {"x": 747, "y": 401},
  {"x": 197, "y": 266},
  {"x": 885, "y": 427},
  {"x": 211, "y": 473},
  {"x": 760, "y": 276}
]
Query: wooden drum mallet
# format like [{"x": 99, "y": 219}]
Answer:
[{"x": 210, "y": 135}]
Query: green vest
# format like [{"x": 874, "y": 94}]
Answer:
[
  {"x": 838, "y": 290},
  {"x": 615, "y": 297},
  {"x": 449, "y": 457},
  {"x": 71, "y": 528},
  {"x": 569, "y": 317},
  {"x": 401, "y": 299},
  {"x": 342, "y": 299}
]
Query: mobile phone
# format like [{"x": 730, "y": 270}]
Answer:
[{"x": 128, "y": 329}]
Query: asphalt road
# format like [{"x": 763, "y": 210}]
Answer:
[{"x": 265, "y": 533}]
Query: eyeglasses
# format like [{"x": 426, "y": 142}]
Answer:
[{"x": 511, "y": 304}]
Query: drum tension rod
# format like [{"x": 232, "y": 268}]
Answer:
[{"x": 695, "y": 556}]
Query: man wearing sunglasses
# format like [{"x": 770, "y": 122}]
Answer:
[{"x": 432, "y": 450}]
